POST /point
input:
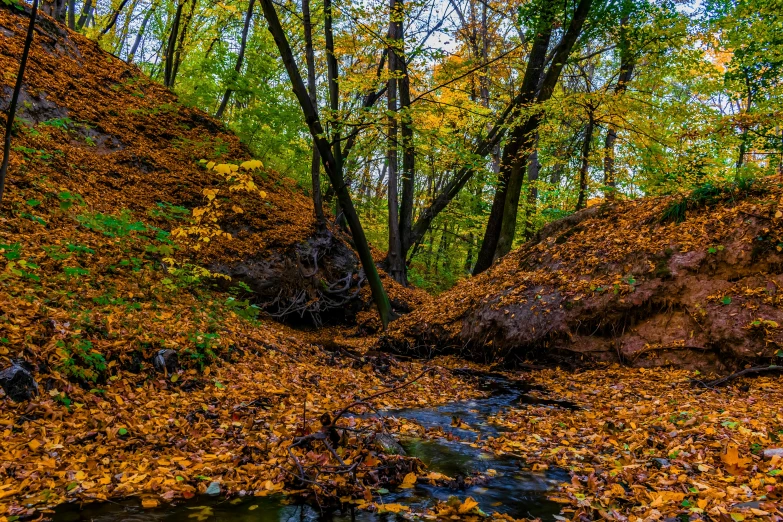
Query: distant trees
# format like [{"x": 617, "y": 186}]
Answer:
[{"x": 460, "y": 128}]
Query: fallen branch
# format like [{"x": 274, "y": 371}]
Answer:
[{"x": 746, "y": 371}]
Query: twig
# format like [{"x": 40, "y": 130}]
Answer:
[
  {"x": 376, "y": 395},
  {"x": 746, "y": 371}
]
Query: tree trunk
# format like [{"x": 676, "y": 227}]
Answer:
[
  {"x": 114, "y": 16},
  {"x": 183, "y": 33},
  {"x": 315, "y": 162},
  {"x": 86, "y": 12},
  {"x": 72, "y": 14},
  {"x": 533, "y": 169},
  {"x": 9, "y": 124},
  {"x": 395, "y": 259},
  {"x": 507, "y": 182},
  {"x": 408, "y": 147},
  {"x": 172, "y": 43},
  {"x": 624, "y": 77},
  {"x": 503, "y": 222},
  {"x": 140, "y": 34},
  {"x": 331, "y": 166},
  {"x": 240, "y": 58},
  {"x": 584, "y": 169}
]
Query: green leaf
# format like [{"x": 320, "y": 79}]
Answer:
[
  {"x": 726, "y": 300},
  {"x": 122, "y": 432}
]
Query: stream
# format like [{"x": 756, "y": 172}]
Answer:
[{"x": 513, "y": 491}]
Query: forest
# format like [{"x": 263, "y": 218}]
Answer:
[{"x": 357, "y": 260}]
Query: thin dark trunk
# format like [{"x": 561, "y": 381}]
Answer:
[
  {"x": 395, "y": 259},
  {"x": 332, "y": 75},
  {"x": 172, "y": 43},
  {"x": 584, "y": 169},
  {"x": 408, "y": 149},
  {"x": 331, "y": 166},
  {"x": 114, "y": 16},
  {"x": 86, "y": 12},
  {"x": 183, "y": 33},
  {"x": 140, "y": 34},
  {"x": 315, "y": 162},
  {"x": 72, "y": 14},
  {"x": 533, "y": 169},
  {"x": 240, "y": 58},
  {"x": 468, "y": 266},
  {"x": 742, "y": 149},
  {"x": 624, "y": 77},
  {"x": 9, "y": 124}
]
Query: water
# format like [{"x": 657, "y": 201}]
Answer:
[{"x": 512, "y": 490}]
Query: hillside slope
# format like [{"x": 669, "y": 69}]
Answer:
[
  {"x": 692, "y": 280},
  {"x": 94, "y": 129}
]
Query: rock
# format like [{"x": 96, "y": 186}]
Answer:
[
  {"x": 213, "y": 489},
  {"x": 167, "y": 360},
  {"x": 661, "y": 463},
  {"x": 773, "y": 452},
  {"x": 389, "y": 445},
  {"x": 18, "y": 382}
]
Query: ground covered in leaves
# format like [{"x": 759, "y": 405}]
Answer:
[
  {"x": 651, "y": 444},
  {"x": 229, "y": 427}
]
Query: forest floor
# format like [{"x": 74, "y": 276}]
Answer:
[{"x": 96, "y": 285}]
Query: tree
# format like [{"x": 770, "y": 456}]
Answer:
[
  {"x": 537, "y": 87},
  {"x": 240, "y": 58},
  {"x": 9, "y": 122},
  {"x": 332, "y": 166}
]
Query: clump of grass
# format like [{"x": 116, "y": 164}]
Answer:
[{"x": 707, "y": 194}]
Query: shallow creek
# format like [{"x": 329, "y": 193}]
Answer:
[{"x": 511, "y": 490}]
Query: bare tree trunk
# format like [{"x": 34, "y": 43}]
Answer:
[
  {"x": 315, "y": 162},
  {"x": 86, "y": 13},
  {"x": 114, "y": 16},
  {"x": 533, "y": 169},
  {"x": 502, "y": 223},
  {"x": 170, "y": 46},
  {"x": 140, "y": 34},
  {"x": 9, "y": 124},
  {"x": 408, "y": 146},
  {"x": 395, "y": 261},
  {"x": 72, "y": 14},
  {"x": 514, "y": 147},
  {"x": 332, "y": 167},
  {"x": 627, "y": 64},
  {"x": 183, "y": 33},
  {"x": 584, "y": 169},
  {"x": 240, "y": 58}
]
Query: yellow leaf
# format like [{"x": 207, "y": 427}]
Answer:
[
  {"x": 392, "y": 508},
  {"x": 467, "y": 506},
  {"x": 149, "y": 503},
  {"x": 237, "y": 209},
  {"x": 223, "y": 168},
  {"x": 262, "y": 194},
  {"x": 80, "y": 475},
  {"x": 409, "y": 481},
  {"x": 33, "y": 444},
  {"x": 210, "y": 165}
]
